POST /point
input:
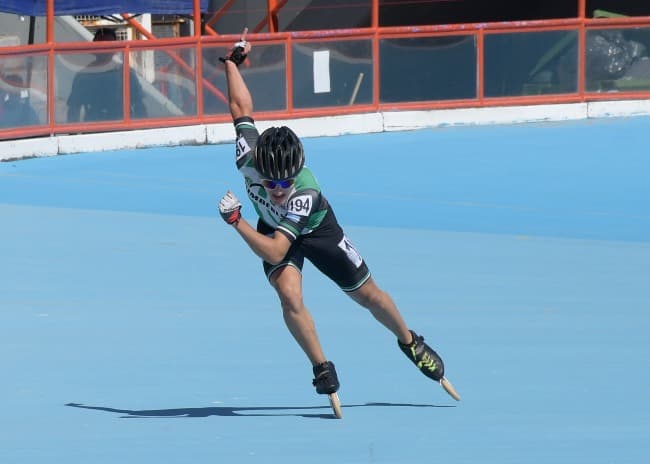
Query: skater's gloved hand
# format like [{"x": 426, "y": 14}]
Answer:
[
  {"x": 230, "y": 207},
  {"x": 239, "y": 51}
]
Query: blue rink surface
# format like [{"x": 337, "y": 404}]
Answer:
[{"x": 136, "y": 327}]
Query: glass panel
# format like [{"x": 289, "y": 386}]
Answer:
[
  {"x": 88, "y": 87},
  {"x": 531, "y": 63},
  {"x": 21, "y": 30},
  {"x": 231, "y": 16},
  {"x": 332, "y": 73},
  {"x": 618, "y": 60},
  {"x": 613, "y": 8},
  {"x": 167, "y": 86},
  {"x": 428, "y": 68},
  {"x": 23, "y": 90},
  {"x": 329, "y": 14},
  {"x": 414, "y": 12},
  {"x": 264, "y": 72}
]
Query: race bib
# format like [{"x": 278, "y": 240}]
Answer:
[
  {"x": 353, "y": 254},
  {"x": 300, "y": 205},
  {"x": 242, "y": 148}
]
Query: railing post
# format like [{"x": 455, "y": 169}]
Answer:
[
  {"x": 480, "y": 70},
  {"x": 374, "y": 24},
  {"x": 271, "y": 6},
  {"x": 198, "y": 59},
  {"x": 126, "y": 87},
  {"x": 289, "y": 64},
  {"x": 49, "y": 36},
  {"x": 582, "y": 48}
]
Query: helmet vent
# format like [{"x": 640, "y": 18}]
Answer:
[{"x": 279, "y": 153}]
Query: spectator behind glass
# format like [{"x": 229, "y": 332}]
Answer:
[
  {"x": 97, "y": 91},
  {"x": 15, "y": 110}
]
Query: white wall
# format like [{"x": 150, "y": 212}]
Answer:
[{"x": 319, "y": 127}]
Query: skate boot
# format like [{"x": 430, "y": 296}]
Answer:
[
  {"x": 325, "y": 378},
  {"x": 421, "y": 354},
  {"x": 428, "y": 361}
]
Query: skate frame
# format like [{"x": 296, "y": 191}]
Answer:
[{"x": 336, "y": 405}]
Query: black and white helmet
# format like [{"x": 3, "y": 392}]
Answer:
[{"x": 278, "y": 154}]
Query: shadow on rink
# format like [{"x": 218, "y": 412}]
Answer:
[{"x": 228, "y": 411}]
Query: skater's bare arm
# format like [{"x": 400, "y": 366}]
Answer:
[
  {"x": 239, "y": 97},
  {"x": 271, "y": 249},
  {"x": 240, "y": 100}
]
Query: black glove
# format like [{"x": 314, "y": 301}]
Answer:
[{"x": 236, "y": 53}]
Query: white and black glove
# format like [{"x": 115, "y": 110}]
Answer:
[
  {"x": 230, "y": 208},
  {"x": 238, "y": 52}
]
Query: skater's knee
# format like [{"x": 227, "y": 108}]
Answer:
[
  {"x": 288, "y": 285},
  {"x": 370, "y": 296},
  {"x": 290, "y": 297},
  {"x": 291, "y": 304},
  {"x": 368, "y": 301}
]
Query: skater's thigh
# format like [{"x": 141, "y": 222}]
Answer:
[
  {"x": 334, "y": 255},
  {"x": 293, "y": 259},
  {"x": 287, "y": 282}
]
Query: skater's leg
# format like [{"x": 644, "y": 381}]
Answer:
[
  {"x": 287, "y": 282},
  {"x": 383, "y": 308}
]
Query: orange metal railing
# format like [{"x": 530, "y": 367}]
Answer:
[{"x": 200, "y": 78}]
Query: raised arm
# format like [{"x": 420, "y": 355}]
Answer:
[{"x": 239, "y": 97}]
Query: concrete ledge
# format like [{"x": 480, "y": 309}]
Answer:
[
  {"x": 608, "y": 109},
  {"x": 168, "y": 136},
  {"x": 220, "y": 133},
  {"x": 308, "y": 127},
  {"x": 330, "y": 126},
  {"x": 28, "y": 148},
  {"x": 321, "y": 127},
  {"x": 410, "y": 120}
]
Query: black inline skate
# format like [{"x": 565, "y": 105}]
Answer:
[
  {"x": 428, "y": 361},
  {"x": 327, "y": 383},
  {"x": 325, "y": 379}
]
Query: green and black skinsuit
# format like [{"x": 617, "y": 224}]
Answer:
[{"x": 306, "y": 219}]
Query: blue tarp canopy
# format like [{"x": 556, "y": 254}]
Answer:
[{"x": 99, "y": 7}]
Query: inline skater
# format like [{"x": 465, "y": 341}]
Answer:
[{"x": 296, "y": 221}]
